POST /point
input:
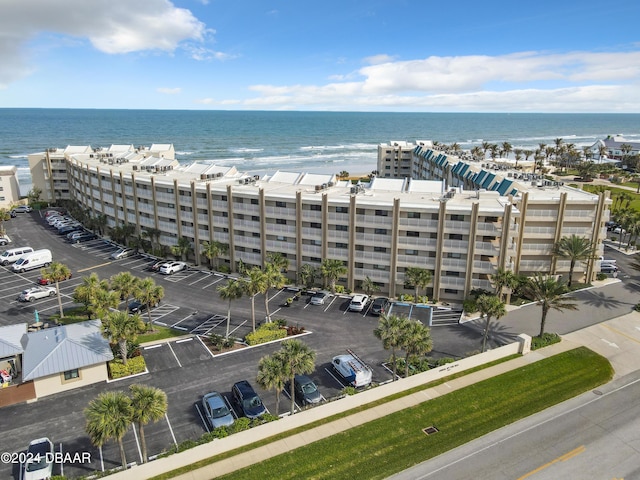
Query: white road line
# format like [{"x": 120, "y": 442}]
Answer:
[
  {"x": 174, "y": 355},
  {"x": 202, "y": 418},
  {"x": 185, "y": 340},
  {"x": 241, "y": 325},
  {"x": 153, "y": 346},
  {"x": 180, "y": 321},
  {"x": 213, "y": 283},
  {"x": 135, "y": 434},
  {"x": 205, "y": 277},
  {"x": 205, "y": 347},
  {"x": 170, "y": 429}
]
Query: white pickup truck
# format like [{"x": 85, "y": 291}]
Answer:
[{"x": 354, "y": 370}]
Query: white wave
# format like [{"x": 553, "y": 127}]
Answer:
[
  {"x": 246, "y": 150},
  {"x": 18, "y": 156},
  {"x": 185, "y": 153}
]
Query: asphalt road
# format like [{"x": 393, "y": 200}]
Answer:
[{"x": 592, "y": 436}]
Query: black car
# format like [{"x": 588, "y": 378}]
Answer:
[
  {"x": 155, "y": 266},
  {"x": 138, "y": 307},
  {"x": 380, "y": 306},
  {"x": 247, "y": 400},
  {"x": 69, "y": 228},
  {"x": 83, "y": 237},
  {"x": 305, "y": 390}
]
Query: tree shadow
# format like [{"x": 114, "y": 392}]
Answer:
[{"x": 600, "y": 299}]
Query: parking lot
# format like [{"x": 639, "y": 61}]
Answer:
[{"x": 184, "y": 368}]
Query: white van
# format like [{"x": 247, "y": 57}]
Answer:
[
  {"x": 13, "y": 254},
  {"x": 29, "y": 261}
]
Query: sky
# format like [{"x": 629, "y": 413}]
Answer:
[{"x": 329, "y": 55}]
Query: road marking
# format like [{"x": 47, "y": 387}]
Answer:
[
  {"x": 621, "y": 333},
  {"x": 95, "y": 266},
  {"x": 202, "y": 418},
  {"x": 185, "y": 340},
  {"x": 174, "y": 354},
  {"x": 205, "y": 347},
  {"x": 611, "y": 344},
  {"x": 170, "y": 429},
  {"x": 562, "y": 458}
]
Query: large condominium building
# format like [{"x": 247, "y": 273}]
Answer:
[
  {"x": 378, "y": 229},
  {"x": 9, "y": 187},
  {"x": 547, "y": 210}
]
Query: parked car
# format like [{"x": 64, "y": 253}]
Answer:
[
  {"x": 48, "y": 281},
  {"x": 170, "y": 268},
  {"x": 155, "y": 266},
  {"x": 358, "y": 303},
  {"x": 319, "y": 298},
  {"x": 608, "y": 268},
  {"x": 82, "y": 237},
  {"x": 216, "y": 410},
  {"x": 39, "y": 460},
  {"x": 379, "y": 306},
  {"x": 36, "y": 293},
  {"x": 352, "y": 369},
  {"x": 23, "y": 209},
  {"x": 138, "y": 307},
  {"x": 122, "y": 253},
  {"x": 13, "y": 254},
  {"x": 69, "y": 228},
  {"x": 305, "y": 390},
  {"x": 247, "y": 400},
  {"x": 4, "y": 240}
]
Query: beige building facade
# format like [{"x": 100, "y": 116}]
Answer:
[{"x": 9, "y": 186}]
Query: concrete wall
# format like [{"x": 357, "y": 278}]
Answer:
[
  {"x": 313, "y": 414},
  {"x": 56, "y": 383}
]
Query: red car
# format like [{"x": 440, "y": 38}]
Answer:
[{"x": 47, "y": 281}]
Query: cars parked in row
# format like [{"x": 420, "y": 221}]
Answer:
[
  {"x": 81, "y": 236},
  {"x": 122, "y": 253},
  {"x": 22, "y": 209},
  {"x": 216, "y": 410},
  {"x": 358, "y": 303},
  {"x": 379, "y": 306},
  {"x": 170, "y": 268},
  {"x": 13, "y": 254},
  {"x": 35, "y": 293},
  {"x": 320, "y": 297},
  {"x": 247, "y": 400},
  {"x": 137, "y": 306},
  {"x": 48, "y": 281},
  {"x": 305, "y": 390},
  {"x": 4, "y": 240}
]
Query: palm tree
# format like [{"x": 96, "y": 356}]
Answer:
[
  {"x": 279, "y": 261},
  {"x": 105, "y": 300},
  {"x": 4, "y": 216},
  {"x": 416, "y": 340},
  {"x": 549, "y": 293},
  {"x": 213, "y": 250},
  {"x": 518, "y": 155},
  {"x": 149, "y": 294},
  {"x": 477, "y": 153},
  {"x": 418, "y": 277},
  {"x": 332, "y": 270},
  {"x": 182, "y": 248},
  {"x": 503, "y": 278},
  {"x": 254, "y": 284},
  {"x": 126, "y": 285},
  {"x": 576, "y": 249},
  {"x": 505, "y": 149},
  {"x": 148, "y": 404},
  {"x": 390, "y": 330},
  {"x": 272, "y": 374},
  {"x": 100, "y": 223},
  {"x": 307, "y": 275},
  {"x": 493, "y": 148},
  {"x": 489, "y": 306},
  {"x": 121, "y": 328},
  {"x": 153, "y": 234},
  {"x": 108, "y": 416},
  {"x": 87, "y": 292},
  {"x": 485, "y": 146},
  {"x": 128, "y": 230},
  {"x": 233, "y": 290},
  {"x": 271, "y": 278},
  {"x": 369, "y": 286},
  {"x": 298, "y": 359},
  {"x": 57, "y": 272}
]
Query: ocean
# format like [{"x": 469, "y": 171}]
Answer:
[{"x": 259, "y": 142}]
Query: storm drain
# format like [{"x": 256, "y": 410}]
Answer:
[{"x": 430, "y": 430}]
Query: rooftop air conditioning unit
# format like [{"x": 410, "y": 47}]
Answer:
[
  {"x": 330, "y": 184},
  {"x": 203, "y": 176},
  {"x": 255, "y": 177},
  {"x": 353, "y": 190},
  {"x": 135, "y": 167},
  {"x": 318, "y": 188},
  {"x": 324, "y": 186}
]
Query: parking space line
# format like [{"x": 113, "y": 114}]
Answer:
[
  {"x": 94, "y": 266},
  {"x": 239, "y": 326},
  {"x": 202, "y": 418},
  {"x": 185, "y": 340},
  {"x": 334, "y": 377},
  {"x": 180, "y": 321},
  {"x": 135, "y": 435},
  {"x": 174, "y": 355},
  {"x": 205, "y": 277},
  {"x": 210, "y": 352},
  {"x": 213, "y": 283},
  {"x": 158, "y": 345},
  {"x": 170, "y": 429},
  {"x": 331, "y": 303}
]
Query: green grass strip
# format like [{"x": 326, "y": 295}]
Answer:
[{"x": 395, "y": 442}]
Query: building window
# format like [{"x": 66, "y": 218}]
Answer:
[
  {"x": 380, "y": 249},
  {"x": 342, "y": 209},
  {"x": 455, "y": 236},
  {"x": 413, "y": 214},
  {"x": 281, "y": 204},
  {"x": 411, "y": 252},
  {"x": 254, "y": 201},
  {"x": 315, "y": 208},
  {"x": 281, "y": 221},
  {"x": 360, "y": 248},
  {"x": 413, "y": 234},
  {"x": 452, "y": 274},
  {"x": 451, "y": 290},
  {"x": 454, "y": 255},
  {"x": 359, "y": 229},
  {"x": 315, "y": 225},
  {"x": 382, "y": 213},
  {"x": 360, "y": 211},
  {"x": 71, "y": 374},
  {"x": 380, "y": 231},
  {"x": 458, "y": 218},
  {"x": 317, "y": 243},
  {"x": 342, "y": 228},
  {"x": 341, "y": 245}
]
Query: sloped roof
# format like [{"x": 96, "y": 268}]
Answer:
[
  {"x": 10, "y": 339},
  {"x": 67, "y": 347}
]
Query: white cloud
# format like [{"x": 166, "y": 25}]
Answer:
[
  {"x": 523, "y": 81},
  {"x": 111, "y": 26},
  {"x": 169, "y": 91}
]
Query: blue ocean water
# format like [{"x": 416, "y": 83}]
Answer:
[{"x": 260, "y": 142}]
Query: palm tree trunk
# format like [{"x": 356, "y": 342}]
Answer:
[
  {"x": 143, "y": 443},
  {"x": 266, "y": 306},
  {"x": 149, "y": 317},
  {"x": 277, "y": 402},
  {"x": 123, "y": 456},
  {"x": 395, "y": 363},
  {"x": 253, "y": 312},
  {"x": 545, "y": 310},
  {"x": 228, "y": 319},
  {"x": 406, "y": 365},
  {"x": 486, "y": 333},
  {"x": 292, "y": 392},
  {"x": 59, "y": 300},
  {"x": 571, "y": 267}
]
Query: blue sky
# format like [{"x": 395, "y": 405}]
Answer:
[{"x": 339, "y": 55}]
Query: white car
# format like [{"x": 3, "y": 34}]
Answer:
[
  {"x": 23, "y": 209},
  {"x": 4, "y": 240},
  {"x": 358, "y": 303},
  {"x": 352, "y": 369},
  {"x": 320, "y": 297},
  {"x": 122, "y": 253},
  {"x": 39, "y": 460},
  {"x": 36, "y": 293},
  {"x": 170, "y": 268}
]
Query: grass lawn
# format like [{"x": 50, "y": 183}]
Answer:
[
  {"x": 396, "y": 442},
  {"x": 635, "y": 203}
]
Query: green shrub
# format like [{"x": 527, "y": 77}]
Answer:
[
  {"x": 349, "y": 390},
  {"x": 544, "y": 341},
  {"x": 217, "y": 341},
  {"x": 340, "y": 289},
  {"x": 241, "y": 424},
  {"x": 601, "y": 276},
  {"x": 135, "y": 365},
  {"x": 266, "y": 333},
  {"x": 469, "y": 305},
  {"x": 636, "y": 307}
]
